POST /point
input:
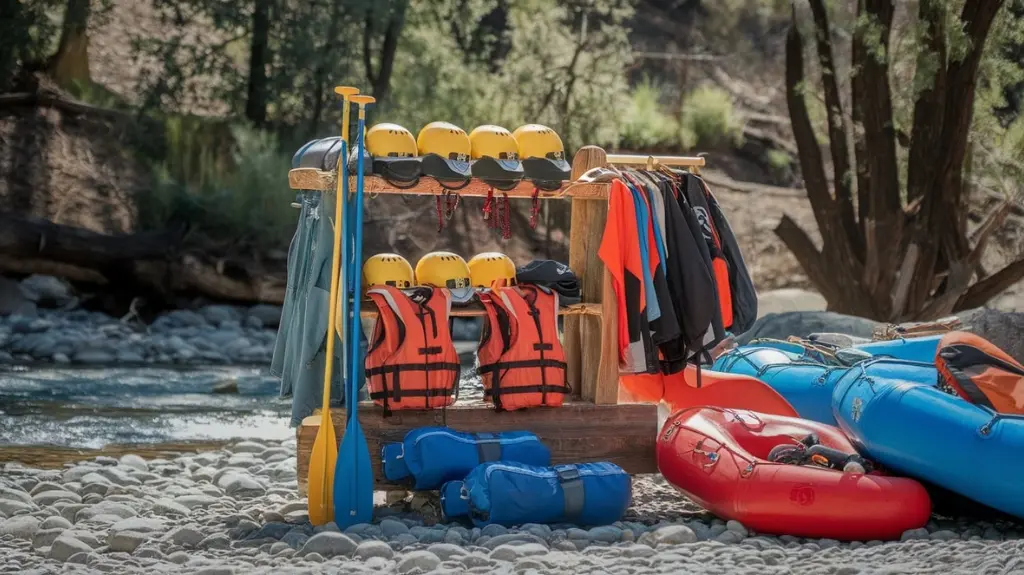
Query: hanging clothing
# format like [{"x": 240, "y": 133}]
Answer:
[
  {"x": 522, "y": 363},
  {"x": 716, "y": 331},
  {"x": 646, "y": 234},
  {"x": 744, "y": 295},
  {"x": 620, "y": 253},
  {"x": 694, "y": 189}
]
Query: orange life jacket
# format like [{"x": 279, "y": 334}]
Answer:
[
  {"x": 522, "y": 363},
  {"x": 972, "y": 368},
  {"x": 412, "y": 362}
]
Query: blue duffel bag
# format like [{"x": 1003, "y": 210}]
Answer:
[
  {"x": 513, "y": 493},
  {"x": 433, "y": 455}
]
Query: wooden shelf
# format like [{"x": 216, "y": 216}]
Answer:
[
  {"x": 477, "y": 310},
  {"x": 577, "y": 432},
  {"x": 313, "y": 179}
]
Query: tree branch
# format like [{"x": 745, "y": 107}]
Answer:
[
  {"x": 981, "y": 292},
  {"x": 810, "y": 259},
  {"x": 838, "y": 142}
]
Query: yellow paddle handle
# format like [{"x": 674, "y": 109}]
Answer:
[{"x": 346, "y": 92}]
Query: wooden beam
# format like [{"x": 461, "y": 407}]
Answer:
[
  {"x": 642, "y": 160},
  {"x": 313, "y": 179},
  {"x": 576, "y": 432}
]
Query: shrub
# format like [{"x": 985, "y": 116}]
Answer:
[
  {"x": 708, "y": 116},
  {"x": 644, "y": 125}
]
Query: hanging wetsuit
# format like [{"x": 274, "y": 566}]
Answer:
[
  {"x": 716, "y": 331},
  {"x": 694, "y": 190},
  {"x": 744, "y": 296},
  {"x": 412, "y": 362},
  {"x": 522, "y": 363},
  {"x": 620, "y": 253}
]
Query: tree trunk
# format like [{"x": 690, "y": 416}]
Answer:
[
  {"x": 70, "y": 64},
  {"x": 320, "y": 76},
  {"x": 380, "y": 76},
  {"x": 259, "y": 51}
]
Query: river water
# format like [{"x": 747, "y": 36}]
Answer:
[{"x": 51, "y": 412}]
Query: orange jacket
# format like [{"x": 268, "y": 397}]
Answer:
[
  {"x": 974, "y": 369},
  {"x": 412, "y": 362},
  {"x": 521, "y": 360}
]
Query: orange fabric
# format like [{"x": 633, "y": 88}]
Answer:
[
  {"x": 726, "y": 390},
  {"x": 412, "y": 362},
  {"x": 620, "y": 253},
  {"x": 522, "y": 363},
  {"x": 724, "y": 292},
  {"x": 974, "y": 369},
  {"x": 643, "y": 388}
]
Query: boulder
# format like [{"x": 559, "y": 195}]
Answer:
[{"x": 804, "y": 323}]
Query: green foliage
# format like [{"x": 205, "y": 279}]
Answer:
[
  {"x": 708, "y": 115},
  {"x": 227, "y": 179},
  {"x": 645, "y": 125},
  {"x": 27, "y": 36}
]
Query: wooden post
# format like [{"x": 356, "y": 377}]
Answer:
[{"x": 591, "y": 375}]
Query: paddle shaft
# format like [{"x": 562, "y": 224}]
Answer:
[
  {"x": 342, "y": 199},
  {"x": 357, "y": 270}
]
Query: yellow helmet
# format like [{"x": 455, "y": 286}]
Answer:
[
  {"x": 497, "y": 156},
  {"x": 387, "y": 269},
  {"x": 543, "y": 155},
  {"x": 486, "y": 267},
  {"x": 445, "y": 149},
  {"x": 445, "y": 270},
  {"x": 394, "y": 154}
]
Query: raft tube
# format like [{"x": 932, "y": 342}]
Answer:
[
  {"x": 717, "y": 457},
  {"x": 921, "y": 349},
  {"x": 808, "y": 386},
  {"x": 926, "y": 433}
]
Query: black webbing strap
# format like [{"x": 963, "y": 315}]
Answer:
[
  {"x": 401, "y": 367},
  {"x": 411, "y": 393},
  {"x": 572, "y": 490},
  {"x": 527, "y": 389},
  {"x": 488, "y": 447}
]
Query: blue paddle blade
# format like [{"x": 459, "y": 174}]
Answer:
[{"x": 353, "y": 483}]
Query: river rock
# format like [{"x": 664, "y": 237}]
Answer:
[
  {"x": 195, "y": 501},
  {"x": 169, "y": 508},
  {"x": 422, "y": 561},
  {"x": 179, "y": 557},
  {"x": 55, "y": 522},
  {"x": 20, "y": 527},
  {"x": 268, "y": 315},
  {"x": 804, "y": 323},
  {"x": 126, "y": 541},
  {"x": 65, "y": 546},
  {"x": 134, "y": 461},
  {"x": 914, "y": 534},
  {"x": 47, "y": 498},
  {"x": 139, "y": 524},
  {"x": 668, "y": 535},
  {"x": 392, "y": 528},
  {"x": 215, "y": 541},
  {"x": 239, "y": 484},
  {"x": 328, "y": 544},
  {"x": 736, "y": 527},
  {"x": 373, "y": 548},
  {"x": 187, "y": 536},
  {"x": 117, "y": 476},
  {"x": 46, "y": 537},
  {"x": 1003, "y": 329}
]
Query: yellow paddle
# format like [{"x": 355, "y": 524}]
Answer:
[{"x": 325, "y": 447}]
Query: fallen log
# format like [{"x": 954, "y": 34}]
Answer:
[{"x": 149, "y": 264}]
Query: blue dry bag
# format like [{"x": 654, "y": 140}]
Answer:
[
  {"x": 433, "y": 455},
  {"x": 513, "y": 493}
]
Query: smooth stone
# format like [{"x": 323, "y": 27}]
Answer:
[
  {"x": 422, "y": 561},
  {"x": 637, "y": 551},
  {"x": 139, "y": 524},
  {"x": 944, "y": 535},
  {"x": 6, "y": 493},
  {"x": 195, "y": 501},
  {"x": 447, "y": 551},
  {"x": 391, "y": 528},
  {"x": 12, "y": 507},
  {"x": 80, "y": 558},
  {"x": 295, "y": 538},
  {"x": 512, "y": 538},
  {"x": 65, "y": 546},
  {"x": 216, "y": 571},
  {"x": 186, "y": 536},
  {"x": 404, "y": 540},
  {"x": 106, "y": 508},
  {"x": 179, "y": 557},
  {"x": 44, "y": 486},
  {"x": 84, "y": 536},
  {"x": 736, "y": 527},
  {"x": 279, "y": 546},
  {"x": 373, "y": 548},
  {"x": 126, "y": 541},
  {"x": 21, "y": 527},
  {"x": 669, "y": 535},
  {"x": 607, "y": 533},
  {"x": 215, "y": 541},
  {"x": 46, "y": 537},
  {"x": 454, "y": 537},
  {"x": 729, "y": 537},
  {"x": 312, "y": 557},
  {"x": 240, "y": 485},
  {"x": 148, "y": 553},
  {"x": 328, "y": 544},
  {"x": 914, "y": 534},
  {"x": 47, "y": 498},
  {"x": 55, "y": 522},
  {"x": 134, "y": 461},
  {"x": 243, "y": 529},
  {"x": 297, "y": 517},
  {"x": 169, "y": 508},
  {"x": 273, "y": 530},
  {"x": 513, "y": 552},
  {"x": 493, "y": 530},
  {"x": 426, "y": 535}
]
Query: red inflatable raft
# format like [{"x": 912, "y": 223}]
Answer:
[{"x": 717, "y": 457}]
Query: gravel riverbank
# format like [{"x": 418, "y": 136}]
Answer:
[{"x": 236, "y": 510}]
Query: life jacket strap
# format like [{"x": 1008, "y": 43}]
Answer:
[
  {"x": 503, "y": 365},
  {"x": 429, "y": 350},
  {"x": 404, "y": 367},
  {"x": 413, "y": 393}
]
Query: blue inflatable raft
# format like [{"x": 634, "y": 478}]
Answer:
[
  {"x": 808, "y": 386},
  {"x": 920, "y": 431},
  {"x": 920, "y": 349}
]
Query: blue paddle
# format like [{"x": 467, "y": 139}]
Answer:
[{"x": 353, "y": 477}]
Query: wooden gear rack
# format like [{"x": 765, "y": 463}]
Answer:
[{"x": 593, "y": 426}]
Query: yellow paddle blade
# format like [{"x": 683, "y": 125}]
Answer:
[{"x": 321, "y": 472}]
